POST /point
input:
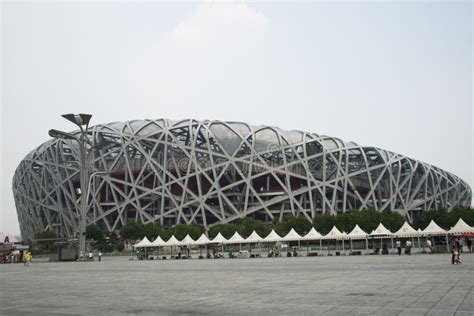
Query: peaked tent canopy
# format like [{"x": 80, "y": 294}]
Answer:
[
  {"x": 334, "y": 233},
  {"x": 407, "y": 231},
  {"x": 433, "y": 229},
  {"x": 143, "y": 243},
  {"x": 461, "y": 228},
  {"x": 272, "y": 237},
  {"x": 219, "y": 239},
  {"x": 313, "y": 234},
  {"x": 187, "y": 241},
  {"x": 292, "y": 236},
  {"x": 381, "y": 231},
  {"x": 173, "y": 241},
  {"x": 158, "y": 242},
  {"x": 203, "y": 240},
  {"x": 253, "y": 238},
  {"x": 357, "y": 233},
  {"x": 235, "y": 239}
]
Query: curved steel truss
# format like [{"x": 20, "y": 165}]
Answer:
[{"x": 214, "y": 172}]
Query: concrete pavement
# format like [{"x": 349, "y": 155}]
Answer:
[{"x": 379, "y": 285}]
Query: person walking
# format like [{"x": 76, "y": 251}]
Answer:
[
  {"x": 26, "y": 259},
  {"x": 399, "y": 247},
  {"x": 100, "y": 255},
  {"x": 429, "y": 245},
  {"x": 408, "y": 245},
  {"x": 455, "y": 255}
]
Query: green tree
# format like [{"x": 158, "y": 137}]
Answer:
[
  {"x": 132, "y": 231},
  {"x": 392, "y": 220},
  {"x": 444, "y": 218},
  {"x": 193, "y": 230},
  {"x": 246, "y": 226},
  {"x": 95, "y": 233},
  {"x": 323, "y": 223},
  {"x": 299, "y": 223},
  {"x": 368, "y": 219},
  {"x": 165, "y": 233},
  {"x": 227, "y": 230},
  {"x": 151, "y": 231}
]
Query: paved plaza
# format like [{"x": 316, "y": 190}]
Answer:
[{"x": 380, "y": 285}]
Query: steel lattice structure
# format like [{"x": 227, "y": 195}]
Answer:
[{"x": 215, "y": 172}]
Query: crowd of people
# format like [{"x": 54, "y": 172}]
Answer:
[{"x": 17, "y": 257}]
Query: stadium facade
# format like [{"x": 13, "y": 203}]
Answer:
[{"x": 212, "y": 172}]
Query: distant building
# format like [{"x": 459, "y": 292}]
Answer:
[{"x": 212, "y": 172}]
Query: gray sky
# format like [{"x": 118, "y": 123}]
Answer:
[{"x": 393, "y": 75}]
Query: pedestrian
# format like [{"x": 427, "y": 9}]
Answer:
[
  {"x": 399, "y": 247},
  {"x": 91, "y": 256},
  {"x": 461, "y": 244},
  {"x": 408, "y": 245},
  {"x": 429, "y": 245},
  {"x": 455, "y": 255},
  {"x": 26, "y": 258},
  {"x": 469, "y": 244},
  {"x": 100, "y": 255}
]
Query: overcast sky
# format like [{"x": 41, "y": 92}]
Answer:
[{"x": 392, "y": 75}]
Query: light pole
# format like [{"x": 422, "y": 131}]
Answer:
[{"x": 86, "y": 147}]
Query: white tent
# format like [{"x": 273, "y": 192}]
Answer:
[
  {"x": 143, "y": 243},
  {"x": 334, "y": 233},
  {"x": 433, "y": 229},
  {"x": 357, "y": 233},
  {"x": 158, "y": 242},
  {"x": 253, "y": 238},
  {"x": 203, "y": 240},
  {"x": 381, "y": 231},
  {"x": 219, "y": 239},
  {"x": 313, "y": 234},
  {"x": 235, "y": 239},
  {"x": 406, "y": 231},
  {"x": 461, "y": 228},
  {"x": 272, "y": 237},
  {"x": 292, "y": 236},
  {"x": 173, "y": 241},
  {"x": 187, "y": 241}
]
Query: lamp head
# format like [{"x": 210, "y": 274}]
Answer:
[{"x": 78, "y": 119}]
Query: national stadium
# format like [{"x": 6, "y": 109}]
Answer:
[{"x": 211, "y": 172}]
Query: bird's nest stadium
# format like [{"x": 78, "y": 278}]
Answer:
[{"x": 211, "y": 172}]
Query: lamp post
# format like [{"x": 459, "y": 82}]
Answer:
[{"x": 86, "y": 147}]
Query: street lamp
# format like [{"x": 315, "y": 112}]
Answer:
[{"x": 86, "y": 147}]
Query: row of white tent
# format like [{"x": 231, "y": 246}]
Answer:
[{"x": 405, "y": 231}]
